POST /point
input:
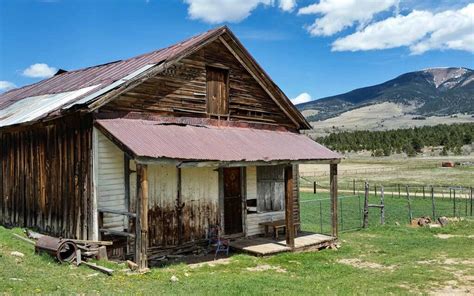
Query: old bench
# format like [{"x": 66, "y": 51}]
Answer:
[{"x": 276, "y": 226}]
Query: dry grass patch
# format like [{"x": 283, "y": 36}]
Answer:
[{"x": 365, "y": 264}]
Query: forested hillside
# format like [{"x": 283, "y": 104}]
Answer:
[{"x": 412, "y": 140}]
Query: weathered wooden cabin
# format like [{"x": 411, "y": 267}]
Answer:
[{"x": 156, "y": 148}]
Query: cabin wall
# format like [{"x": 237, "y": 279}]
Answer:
[
  {"x": 199, "y": 203},
  {"x": 110, "y": 182},
  {"x": 181, "y": 91},
  {"x": 265, "y": 182},
  {"x": 45, "y": 177}
]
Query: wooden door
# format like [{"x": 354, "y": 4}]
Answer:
[
  {"x": 217, "y": 91},
  {"x": 232, "y": 201}
]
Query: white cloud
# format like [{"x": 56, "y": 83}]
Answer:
[
  {"x": 287, "y": 5},
  {"x": 220, "y": 11},
  {"x": 39, "y": 70},
  {"x": 302, "y": 98},
  {"x": 340, "y": 14},
  {"x": 419, "y": 30},
  {"x": 6, "y": 85}
]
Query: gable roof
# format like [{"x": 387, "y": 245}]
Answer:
[{"x": 94, "y": 86}]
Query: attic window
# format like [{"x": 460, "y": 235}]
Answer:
[{"x": 217, "y": 91}]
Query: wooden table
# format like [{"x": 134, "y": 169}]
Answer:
[{"x": 277, "y": 225}]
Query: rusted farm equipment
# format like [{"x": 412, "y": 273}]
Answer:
[{"x": 62, "y": 249}]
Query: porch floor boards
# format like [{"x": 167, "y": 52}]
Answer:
[{"x": 262, "y": 246}]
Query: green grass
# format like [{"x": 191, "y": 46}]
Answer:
[
  {"x": 350, "y": 209},
  {"x": 409, "y": 260}
]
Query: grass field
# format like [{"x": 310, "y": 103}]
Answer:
[
  {"x": 396, "y": 170},
  {"x": 390, "y": 259}
]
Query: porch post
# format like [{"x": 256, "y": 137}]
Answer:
[
  {"x": 141, "y": 223},
  {"x": 289, "y": 219},
  {"x": 333, "y": 193}
]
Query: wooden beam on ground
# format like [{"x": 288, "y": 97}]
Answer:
[
  {"x": 141, "y": 228},
  {"x": 333, "y": 193},
  {"x": 289, "y": 198}
]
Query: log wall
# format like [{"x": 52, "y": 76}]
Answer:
[
  {"x": 181, "y": 91},
  {"x": 45, "y": 177}
]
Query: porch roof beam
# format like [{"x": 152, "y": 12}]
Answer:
[{"x": 198, "y": 163}]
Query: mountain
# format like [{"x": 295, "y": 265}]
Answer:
[{"x": 429, "y": 92}]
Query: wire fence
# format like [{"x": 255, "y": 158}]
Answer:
[{"x": 401, "y": 205}]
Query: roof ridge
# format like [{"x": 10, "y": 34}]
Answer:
[{"x": 151, "y": 52}]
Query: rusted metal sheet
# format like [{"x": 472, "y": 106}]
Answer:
[
  {"x": 103, "y": 75},
  {"x": 150, "y": 139},
  {"x": 62, "y": 249}
]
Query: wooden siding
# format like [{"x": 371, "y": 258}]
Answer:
[
  {"x": 199, "y": 203},
  {"x": 270, "y": 188},
  {"x": 269, "y": 178},
  {"x": 253, "y": 221},
  {"x": 181, "y": 91},
  {"x": 110, "y": 183},
  {"x": 251, "y": 182},
  {"x": 45, "y": 177}
]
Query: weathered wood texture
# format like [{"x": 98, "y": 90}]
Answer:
[
  {"x": 141, "y": 224},
  {"x": 289, "y": 219},
  {"x": 181, "y": 91},
  {"x": 198, "y": 204},
  {"x": 334, "y": 199},
  {"x": 45, "y": 177}
]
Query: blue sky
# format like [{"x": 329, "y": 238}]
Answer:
[{"x": 317, "y": 47}]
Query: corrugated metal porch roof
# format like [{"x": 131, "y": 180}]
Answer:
[{"x": 151, "y": 139}]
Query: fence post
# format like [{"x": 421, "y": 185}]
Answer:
[
  {"x": 410, "y": 213},
  {"x": 321, "y": 216},
  {"x": 399, "y": 192},
  {"x": 375, "y": 190},
  {"x": 353, "y": 186},
  {"x": 314, "y": 187},
  {"x": 424, "y": 192},
  {"x": 382, "y": 209},
  {"x": 342, "y": 220},
  {"x": 366, "y": 206},
  {"x": 433, "y": 203},
  {"x": 454, "y": 202},
  {"x": 471, "y": 201}
]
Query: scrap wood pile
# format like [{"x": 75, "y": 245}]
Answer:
[
  {"x": 69, "y": 250},
  {"x": 162, "y": 255}
]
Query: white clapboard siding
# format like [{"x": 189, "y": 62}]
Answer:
[
  {"x": 200, "y": 184},
  {"x": 253, "y": 220},
  {"x": 110, "y": 179},
  {"x": 162, "y": 186},
  {"x": 251, "y": 182}
]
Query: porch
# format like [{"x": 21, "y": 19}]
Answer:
[{"x": 263, "y": 246}]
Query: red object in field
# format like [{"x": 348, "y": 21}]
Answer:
[{"x": 447, "y": 164}]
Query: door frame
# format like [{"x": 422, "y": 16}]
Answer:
[{"x": 243, "y": 189}]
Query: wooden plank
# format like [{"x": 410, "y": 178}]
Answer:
[
  {"x": 290, "y": 228},
  {"x": 141, "y": 224}
]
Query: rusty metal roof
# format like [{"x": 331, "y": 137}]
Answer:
[
  {"x": 101, "y": 77},
  {"x": 151, "y": 139}
]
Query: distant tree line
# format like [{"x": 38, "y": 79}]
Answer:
[{"x": 411, "y": 141}]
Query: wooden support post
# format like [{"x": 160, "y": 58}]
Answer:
[
  {"x": 141, "y": 225},
  {"x": 366, "y": 206},
  {"x": 471, "y": 201},
  {"x": 289, "y": 200},
  {"x": 354, "y": 186},
  {"x": 179, "y": 206},
  {"x": 382, "y": 209},
  {"x": 314, "y": 187},
  {"x": 433, "y": 203},
  {"x": 333, "y": 193},
  {"x": 454, "y": 203},
  {"x": 410, "y": 213}
]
